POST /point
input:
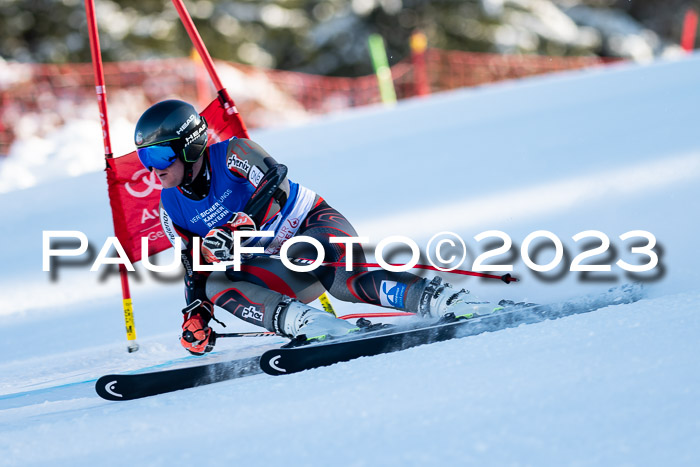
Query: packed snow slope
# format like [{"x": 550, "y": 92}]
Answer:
[{"x": 613, "y": 150}]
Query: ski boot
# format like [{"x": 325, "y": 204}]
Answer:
[
  {"x": 306, "y": 324},
  {"x": 442, "y": 301}
]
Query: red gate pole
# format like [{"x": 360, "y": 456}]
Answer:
[
  {"x": 198, "y": 44},
  {"x": 102, "y": 104},
  {"x": 690, "y": 27},
  {"x": 418, "y": 44}
]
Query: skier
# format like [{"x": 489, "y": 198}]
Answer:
[{"x": 204, "y": 192}]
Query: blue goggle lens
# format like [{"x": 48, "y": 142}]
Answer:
[{"x": 159, "y": 157}]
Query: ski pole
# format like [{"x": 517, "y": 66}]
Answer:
[
  {"x": 507, "y": 278},
  {"x": 389, "y": 314},
  {"x": 244, "y": 334}
]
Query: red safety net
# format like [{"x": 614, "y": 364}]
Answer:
[
  {"x": 134, "y": 192},
  {"x": 53, "y": 94}
]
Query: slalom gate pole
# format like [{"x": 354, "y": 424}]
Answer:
[
  {"x": 201, "y": 49},
  {"x": 690, "y": 28},
  {"x": 419, "y": 43},
  {"x": 197, "y": 42},
  {"x": 133, "y": 346}
]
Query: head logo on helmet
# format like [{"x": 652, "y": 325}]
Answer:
[
  {"x": 184, "y": 125},
  {"x": 138, "y": 139}
]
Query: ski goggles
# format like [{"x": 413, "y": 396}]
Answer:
[{"x": 159, "y": 156}]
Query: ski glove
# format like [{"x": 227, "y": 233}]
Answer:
[
  {"x": 197, "y": 337},
  {"x": 218, "y": 243}
]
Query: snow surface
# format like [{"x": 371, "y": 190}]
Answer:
[{"x": 612, "y": 149}]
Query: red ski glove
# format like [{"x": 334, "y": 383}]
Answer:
[
  {"x": 218, "y": 244},
  {"x": 197, "y": 337}
]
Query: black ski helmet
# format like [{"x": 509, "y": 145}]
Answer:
[{"x": 178, "y": 124}]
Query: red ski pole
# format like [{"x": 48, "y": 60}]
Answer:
[{"x": 507, "y": 278}]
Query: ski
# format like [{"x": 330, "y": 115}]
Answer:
[
  {"x": 373, "y": 340},
  {"x": 135, "y": 386},
  {"x": 294, "y": 358}
]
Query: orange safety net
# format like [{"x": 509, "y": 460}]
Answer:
[{"x": 54, "y": 94}]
